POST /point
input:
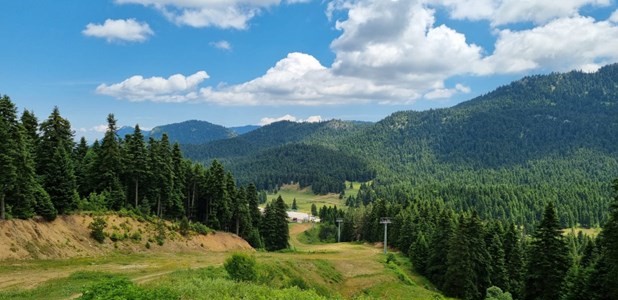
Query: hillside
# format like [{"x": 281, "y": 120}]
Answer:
[
  {"x": 541, "y": 138},
  {"x": 272, "y": 136},
  {"x": 192, "y": 132},
  {"x": 69, "y": 237},
  {"x": 323, "y": 271}
]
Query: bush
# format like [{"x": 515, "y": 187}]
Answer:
[
  {"x": 160, "y": 237},
  {"x": 122, "y": 288},
  {"x": 200, "y": 228},
  {"x": 184, "y": 226},
  {"x": 97, "y": 226},
  {"x": 241, "y": 267},
  {"x": 328, "y": 232}
]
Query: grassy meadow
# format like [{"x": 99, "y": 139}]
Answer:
[
  {"x": 305, "y": 197},
  {"x": 306, "y": 271}
]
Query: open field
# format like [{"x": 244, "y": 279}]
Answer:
[
  {"x": 305, "y": 197},
  {"x": 344, "y": 270}
]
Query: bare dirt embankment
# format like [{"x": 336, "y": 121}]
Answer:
[{"x": 69, "y": 236}]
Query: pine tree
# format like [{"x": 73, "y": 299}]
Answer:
[
  {"x": 439, "y": 245},
  {"x": 468, "y": 260},
  {"x": 601, "y": 284},
  {"x": 275, "y": 231},
  {"x": 499, "y": 274},
  {"x": 8, "y": 170},
  {"x": 54, "y": 162},
  {"x": 254, "y": 210},
  {"x": 179, "y": 181},
  {"x": 30, "y": 124},
  {"x": 548, "y": 260},
  {"x": 419, "y": 253},
  {"x": 294, "y": 206},
  {"x": 218, "y": 214},
  {"x": 314, "y": 210},
  {"x": 514, "y": 262},
  {"x": 137, "y": 162},
  {"x": 109, "y": 166},
  {"x": 60, "y": 182}
]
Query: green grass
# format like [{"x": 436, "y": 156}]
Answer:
[
  {"x": 60, "y": 288},
  {"x": 305, "y": 197},
  {"x": 309, "y": 271}
]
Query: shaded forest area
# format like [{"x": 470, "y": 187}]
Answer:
[{"x": 43, "y": 172}]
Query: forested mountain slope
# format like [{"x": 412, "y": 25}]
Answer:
[
  {"x": 192, "y": 132},
  {"x": 189, "y": 132},
  {"x": 505, "y": 154},
  {"x": 271, "y": 136}
]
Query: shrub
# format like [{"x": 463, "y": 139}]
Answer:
[
  {"x": 97, "y": 226},
  {"x": 160, "y": 237},
  {"x": 122, "y": 288},
  {"x": 184, "y": 226},
  {"x": 136, "y": 236},
  {"x": 200, "y": 228},
  {"x": 241, "y": 267}
]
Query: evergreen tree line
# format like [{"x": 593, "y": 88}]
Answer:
[
  {"x": 463, "y": 255},
  {"x": 581, "y": 204},
  {"x": 44, "y": 172}
]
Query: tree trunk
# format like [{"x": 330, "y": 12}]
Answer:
[
  {"x": 136, "y": 191},
  {"x": 159, "y": 206},
  {"x": 192, "y": 205},
  {"x": 2, "y": 208},
  {"x": 237, "y": 225}
]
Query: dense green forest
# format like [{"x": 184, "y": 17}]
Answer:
[
  {"x": 504, "y": 154},
  {"x": 44, "y": 172},
  {"x": 187, "y": 132},
  {"x": 469, "y": 258}
]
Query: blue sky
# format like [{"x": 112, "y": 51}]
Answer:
[{"x": 238, "y": 62}]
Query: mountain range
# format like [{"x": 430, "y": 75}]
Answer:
[
  {"x": 556, "y": 131},
  {"x": 191, "y": 132}
]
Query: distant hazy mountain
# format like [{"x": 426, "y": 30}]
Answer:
[
  {"x": 191, "y": 132},
  {"x": 244, "y": 129},
  {"x": 124, "y": 130}
]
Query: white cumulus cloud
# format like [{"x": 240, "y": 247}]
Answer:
[
  {"x": 395, "y": 52},
  {"x": 176, "y": 88},
  {"x": 233, "y": 14},
  {"x": 501, "y": 12},
  {"x": 128, "y": 30},
  {"x": 223, "y": 45},
  {"x": 291, "y": 118},
  {"x": 561, "y": 45}
]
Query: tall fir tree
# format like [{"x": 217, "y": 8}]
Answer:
[
  {"x": 275, "y": 231},
  {"x": 137, "y": 163},
  {"x": 419, "y": 253},
  {"x": 468, "y": 261},
  {"x": 601, "y": 283},
  {"x": 109, "y": 166},
  {"x": 30, "y": 124},
  {"x": 514, "y": 261},
  {"x": 55, "y": 164},
  {"x": 439, "y": 245},
  {"x": 548, "y": 260},
  {"x": 8, "y": 151}
]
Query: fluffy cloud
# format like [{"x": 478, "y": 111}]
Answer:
[
  {"x": 223, "y": 45},
  {"x": 614, "y": 17},
  {"x": 561, "y": 45},
  {"x": 288, "y": 117},
  {"x": 393, "y": 52},
  {"x": 501, "y": 12},
  {"x": 119, "y": 30},
  {"x": 176, "y": 88},
  {"x": 209, "y": 13}
]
